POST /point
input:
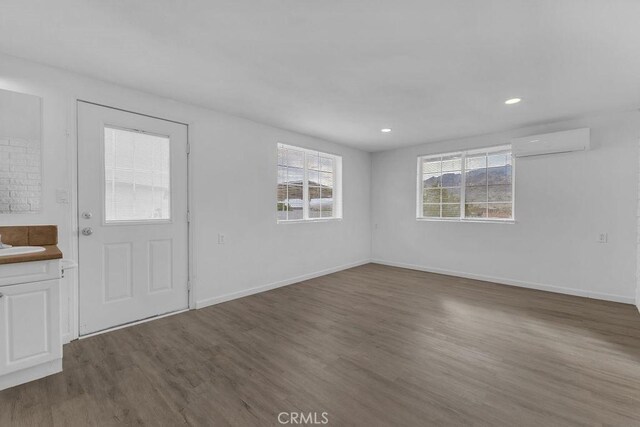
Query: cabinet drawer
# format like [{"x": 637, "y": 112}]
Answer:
[
  {"x": 26, "y": 272},
  {"x": 29, "y": 325}
]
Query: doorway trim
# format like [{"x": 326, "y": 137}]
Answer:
[{"x": 75, "y": 305}]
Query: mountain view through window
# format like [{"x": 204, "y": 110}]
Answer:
[{"x": 467, "y": 185}]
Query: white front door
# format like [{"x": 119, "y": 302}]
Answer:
[{"x": 132, "y": 201}]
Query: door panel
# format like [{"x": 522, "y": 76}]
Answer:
[
  {"x": 160, "y": 263},
  {"x": 117, "y": 280},
  {"x": 132, "y": 197}
]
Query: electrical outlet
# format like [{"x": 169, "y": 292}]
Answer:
[
  {"x": 221, "y": 239},
  {"x": 603, "y": 238}
]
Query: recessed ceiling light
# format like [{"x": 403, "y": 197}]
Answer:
[
  {"x": 512, "y": 101},
  {"x": 385, "y": 130}
]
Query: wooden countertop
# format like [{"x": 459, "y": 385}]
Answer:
[{"x": 50, "y": 252}]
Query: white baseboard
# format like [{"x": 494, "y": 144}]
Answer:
[
  {"x": 235, "y": 295},
  {"x": 512, "y": 282},
  {"x": 501, "y": 280}
]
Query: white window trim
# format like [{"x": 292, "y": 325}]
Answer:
[
  {"x": 337, "y": 187},
  {"x": 462, "y": 218}
]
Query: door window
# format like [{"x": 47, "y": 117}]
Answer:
[{"x": 137, "y": 176}]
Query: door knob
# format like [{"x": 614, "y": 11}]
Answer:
[
  {"x": 87, "y": 215},
  {"x": 87, "y": 231}
]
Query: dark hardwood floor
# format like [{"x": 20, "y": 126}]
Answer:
[{"x": 369, "y": 346}]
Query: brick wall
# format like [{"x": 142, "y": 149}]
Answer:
[
  {"x": 20, "y": 157},
  {"x": 20, "y": 175}
]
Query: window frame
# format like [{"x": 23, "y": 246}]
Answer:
[
  {"x": 463, "y": 156},
  {"x": 336, "y": 190}
]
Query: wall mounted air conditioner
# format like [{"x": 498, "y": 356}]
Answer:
[{"x": 552, "y": 143}]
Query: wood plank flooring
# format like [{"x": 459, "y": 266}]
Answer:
[{"x": 370, "y": 346}]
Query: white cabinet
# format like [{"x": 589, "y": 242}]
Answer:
[
  {"x": 30, "y": 338},
  {"x": 26, "y": 272}
]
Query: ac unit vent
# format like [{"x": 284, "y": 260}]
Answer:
[{"x": 552, "y": 143}]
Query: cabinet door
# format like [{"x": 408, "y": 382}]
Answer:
[{"x": 29, "y": 325}]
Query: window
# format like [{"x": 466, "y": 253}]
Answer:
[
  {"x": 469, "y": 185},
  {"x": 137, "y": 176},
  {"x": 309, "y": 185}
]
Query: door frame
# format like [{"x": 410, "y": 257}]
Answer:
[{"x": 75, "y": 307}]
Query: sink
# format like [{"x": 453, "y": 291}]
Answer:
[{"x": 20, "y": 250}]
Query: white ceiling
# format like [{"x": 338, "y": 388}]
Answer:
[{"x": 343, "y": 69}]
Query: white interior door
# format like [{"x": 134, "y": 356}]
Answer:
[{"x": 132, "y": 199}]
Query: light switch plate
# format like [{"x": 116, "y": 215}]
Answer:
[{"x": 62, "y": 196}]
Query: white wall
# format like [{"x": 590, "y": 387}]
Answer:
[
  {"x": 638, "y": 254},
  {"x": 258, "y": 252},
  {"x": 562, "y": 202}
]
